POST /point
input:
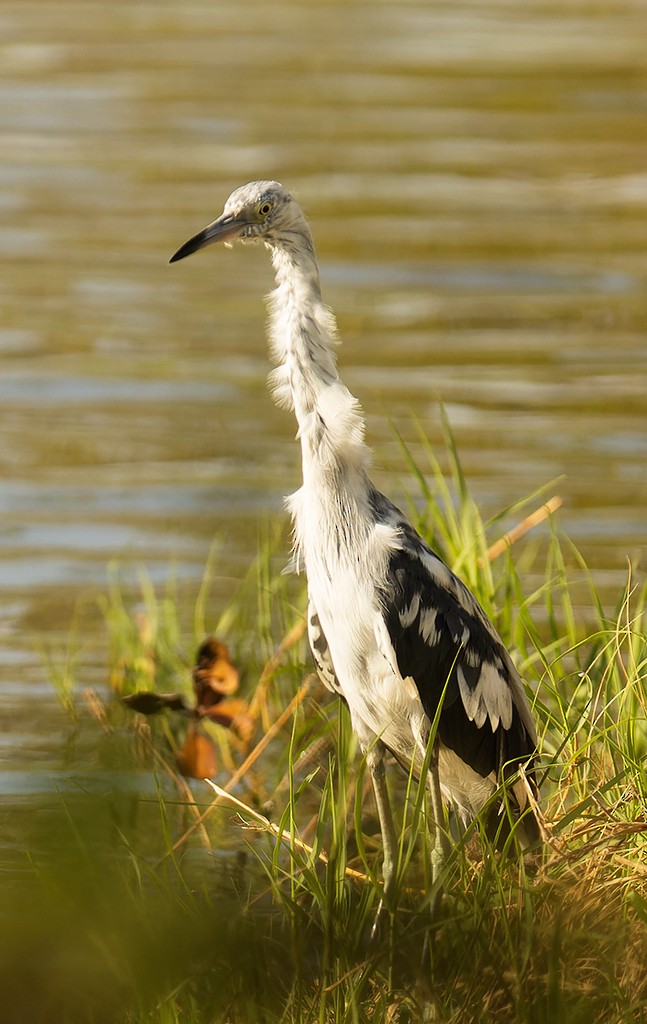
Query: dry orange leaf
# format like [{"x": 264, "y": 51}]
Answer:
[
  {"x": 214, "y": 676},
  {"x": 196, "y": 758}
]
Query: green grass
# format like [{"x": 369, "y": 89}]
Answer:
[{"x": 141, "y": 898}]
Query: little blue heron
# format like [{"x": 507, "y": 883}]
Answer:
[{"x": 392, "y": 630}]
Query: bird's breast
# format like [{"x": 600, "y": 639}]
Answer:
[
  {"x": 381, "y": 703},
  {"x": 346, "y": 553}
]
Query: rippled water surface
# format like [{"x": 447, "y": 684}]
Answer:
[{"x": 476, "y": 178}]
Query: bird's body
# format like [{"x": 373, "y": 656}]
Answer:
[{"x": 391, "y": 628}]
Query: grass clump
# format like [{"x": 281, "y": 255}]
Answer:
[{"x": 152, "y": 899}]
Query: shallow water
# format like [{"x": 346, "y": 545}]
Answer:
[{"x": 475, "y": 178}]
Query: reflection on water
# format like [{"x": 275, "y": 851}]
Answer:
[{"x": 475, "y": 179}]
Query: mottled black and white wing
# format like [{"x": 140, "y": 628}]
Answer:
[{"x": 443, "y": 640}]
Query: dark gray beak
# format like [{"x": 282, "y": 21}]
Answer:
[{"x": 225, "y": 229}]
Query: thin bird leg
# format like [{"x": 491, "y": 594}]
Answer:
[
  {"x": 440, "y": 849},
  {"x": 375, "y": 761}
]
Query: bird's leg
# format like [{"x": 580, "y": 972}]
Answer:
[
  {"x": 375, "y": 762},
  {"x": 440, "y": 848}
]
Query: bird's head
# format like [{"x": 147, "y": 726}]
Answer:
[{"x": 259, "y": 210}]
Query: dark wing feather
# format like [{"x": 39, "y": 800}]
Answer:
[
  {"x": 321, "y": 652},
  {"x": 441, "y": 635}
]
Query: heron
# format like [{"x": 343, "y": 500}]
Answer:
[{"x": 392, "y": 630}]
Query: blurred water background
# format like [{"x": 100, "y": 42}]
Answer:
[{"x": 476, "y": 178}]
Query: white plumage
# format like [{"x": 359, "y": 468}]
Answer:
[{"x": 391, "y": 628}]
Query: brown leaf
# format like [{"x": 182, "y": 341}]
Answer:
[
  {"x": 147, "y": 702},
  {"x": 214, "y": 676},
  {"x": 196, "y": 758},
  {"x": 232, "y": 714}
]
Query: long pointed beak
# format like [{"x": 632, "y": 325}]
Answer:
[{"x": 224, "y": 229}]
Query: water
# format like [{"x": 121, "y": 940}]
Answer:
[{"x": 474, "y": 175}]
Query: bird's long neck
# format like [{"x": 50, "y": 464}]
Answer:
[
  {"x": 302, "y": 334},
  {"x": 332, "y": 511}
]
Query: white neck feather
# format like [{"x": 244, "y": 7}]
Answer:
[
  {"x": 302, "y": 340},
  {"x": 334, "y": 525}
]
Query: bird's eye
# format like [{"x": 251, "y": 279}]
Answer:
[{"x": 264, "y": 208}]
